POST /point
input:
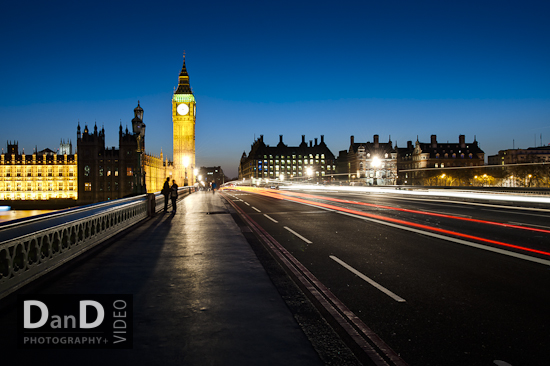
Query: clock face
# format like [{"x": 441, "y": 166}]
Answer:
[{"x": 183, "y": 109}]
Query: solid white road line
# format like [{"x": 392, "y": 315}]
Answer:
[
  {"x": 523, "y": 224},
  {"x": 298, "y": 235},
  {"x": 256, "y": 209},
  {"x": 438, "y": 236},
  {"x": 452, "y": 239},
  {"x": 272, "y": 219},
  {"x": 362, "y": 276}
]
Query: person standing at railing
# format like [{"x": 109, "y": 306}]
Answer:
[
  {"x": 174, "y": 196},
  {"x": 166, "y": 192}
]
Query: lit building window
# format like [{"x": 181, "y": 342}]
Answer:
[{"x": 129, "y": 172}]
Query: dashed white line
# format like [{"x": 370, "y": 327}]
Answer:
[
  {"x": 246, "y": 203},
  {"x": 298, "y": 235},
  {"x": 256, "y": 209},
  {"x": 373, "y": 283},
  {"x": 272, "y": 219}
]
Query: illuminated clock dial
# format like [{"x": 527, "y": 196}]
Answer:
[{"x": 183, "y": 109}]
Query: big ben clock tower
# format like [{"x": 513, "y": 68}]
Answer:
[{"x": 184, "y": 115}]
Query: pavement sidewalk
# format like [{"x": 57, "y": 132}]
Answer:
[{"x": 201, "y": 296}]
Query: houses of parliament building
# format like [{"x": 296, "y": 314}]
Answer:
[{"x": 97, "y": 173}]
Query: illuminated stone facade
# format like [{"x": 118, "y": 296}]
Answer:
[
  {"x": 156, "y": 171},
  {"x": 284, "y": 162},
  {"x": 432, "y": 156},
  {"x": 37, "y": 176},
  {"x": 372, "y": 163},
  {"x": 183, "y": 116}
]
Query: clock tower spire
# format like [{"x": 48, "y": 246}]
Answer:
[{"x": 183, "y": 117}]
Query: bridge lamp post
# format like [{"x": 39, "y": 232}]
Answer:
[{"x": 139, "y": 131}]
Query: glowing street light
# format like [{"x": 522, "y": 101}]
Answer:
[{"x": 375, "y": 163}]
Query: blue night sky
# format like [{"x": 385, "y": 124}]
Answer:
[{"x": 399, "y": 68}]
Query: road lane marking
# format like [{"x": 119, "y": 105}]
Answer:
[
  {"x": 516, "y": 213},
  {"x": 246, "y": 203},
  {"x": 519, "y": 223},
  {"x": 363, "y": 277},
  {"x": 445, "y": 213},
  {"x": 501, "y": 363},
  {"x": 449, "y": 238},
  {"x": 256, "y": 209},
  {"x": 272, "y": 219},
  {"x": 298, "y": 235}
]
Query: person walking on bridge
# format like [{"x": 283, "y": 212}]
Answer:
[
  {"x": 174, "y": 196},
  {"x": 166, "y": 192}
]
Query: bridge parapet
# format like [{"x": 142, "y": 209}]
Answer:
[{"x": 30, "y": 252}]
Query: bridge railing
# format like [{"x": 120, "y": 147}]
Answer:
[{"x": 27, "y": 256}]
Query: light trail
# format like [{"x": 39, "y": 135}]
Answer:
[
  {"x": 276, "y": 194},
  {"x": 509, "y": 225},
  {"x": 502, "y": 224}
]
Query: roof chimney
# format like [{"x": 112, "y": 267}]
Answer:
[
  {"x": 351, "y": 139},
  {"x": 376, "y": 143},
  {"x": 462, "y": 141},
  {"x": 409, "y": 145},
  {"x": 316, "y": 141},
  {"x": 281, "y": 139},
  {"x": 322, "y": 139},
  {"x": 303, "y": 139},
  {"x": 434, "y": 141}
]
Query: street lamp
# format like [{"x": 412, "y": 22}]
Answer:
[
  {"x": 375, "y": 163},
  {"x": 309, "y": 172},
  {"x": 185, "y": 163},
  {"x": 139, "y": 132}
]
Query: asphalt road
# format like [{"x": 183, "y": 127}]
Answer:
[{"x": 442, "y": 283}]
